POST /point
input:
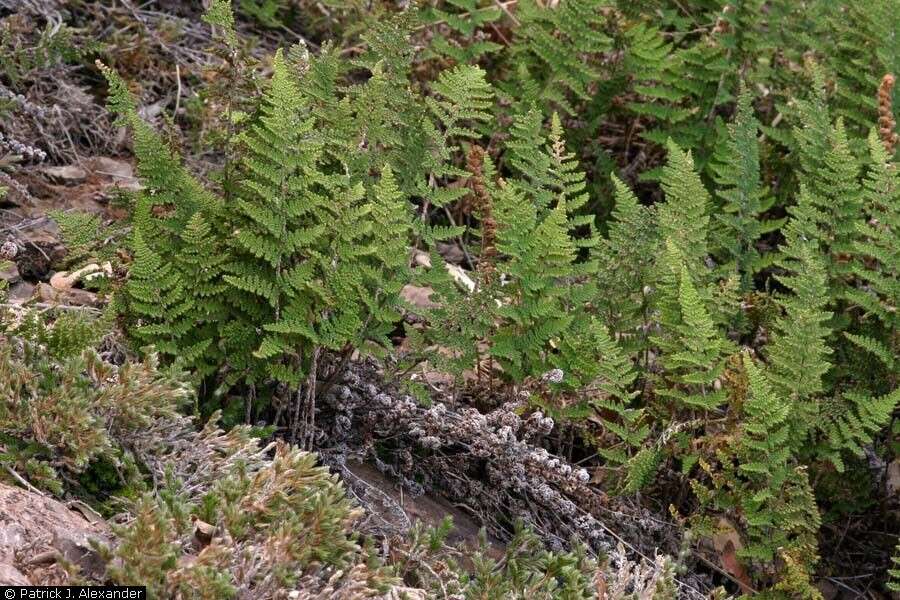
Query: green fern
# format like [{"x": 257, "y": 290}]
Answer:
[
  {"x": 466, "y": 20},
  {"x": 540, "y": 253},
  {"x": 83, "y": 235},
  {"x": 829, "y": 177},
  {"x": 558, "y": 52},
  {"x": 678, "y": 89},
  {"x": 281, "y": 207},
  {"x": 850, "y": 422},
  {"x": 771, "y": 492},
  {"x": 626, "y": 263},
  {"x": 169, "y": 189},
  {"x": 876, "y": 256},
  {"x": 684, "y": 217},
  {"x": 461, "y": 102},
  {"x": 550, "y": 173},
  {"x": 798, "y": 354},
  {"x": 737, "y": 174},
  {"x": 894, "y": 573},
  {"x": 693, "y": 349},
  {"x": 607, "y": 377}
]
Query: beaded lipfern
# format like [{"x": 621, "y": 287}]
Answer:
[
  {"x": 558, "y": 51},
  {"x": 540, "y": 253},
  {"x": 684, "y": 217},
  {"x": 625, "y": 262},
  {"x": 694, "y": 350},
  {"x": 877, "y": 256},
  {"x": 548, "y": 171},
  {"x": 737, "y": 174},
  {"x": 305, "y": 259},
  {"x": 279, "y": 228},
  {"x": 157, "y": 297},
  {"x": 799, "y": 352},
  {"x": 829, "y": 172},
  {"x": 467, "y": 21},
  {"x": 678, "y": 89},
  {"x": 758, "y": 477}
]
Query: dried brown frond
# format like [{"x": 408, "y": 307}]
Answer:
[
  {"x": 886, "y": 124},
  {"x": 483, "y": 208}
]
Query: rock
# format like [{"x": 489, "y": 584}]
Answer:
[
  {"x": 36, "y": 529},
  {"x": 399, "y": 592},
  {"x": 9, "y": 575},
  {"x": 892, "y": 483},
  {"x": 33, "y": 258},
  {"x": 68, "y": 174},
  {"x": 75, "y": 547},
  {"x": 10, "y": 273},
  {"x": 419, "y": 297},
  {"x": 70, "y": 297},
  {"x": 828, "y": 590},
  {"x": 117, "y": 169},
  {"x": 63, "y": 280},
  {"x": 203, "y": 532},
  {"x": 461, "y": 277},
  {"x": 121, "y": 172},
  {"x": 422, "y": 259},
  {"x": 20, "y": 291},
  {"x": 451, "y": 253}
]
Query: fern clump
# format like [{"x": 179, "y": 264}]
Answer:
[
  {"x": 298, "y": 260},
  {"x": 742, "y": 202},
  {"x": 767, "y": 488}
]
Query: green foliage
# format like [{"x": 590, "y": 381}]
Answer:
[
  {"x": 876, "y": 256},
  {"x": 894, "y": 573},
  {"x": 308, "y": 257},
  {"x": 291, "y": 506},
  {"x": 764, "y": 453},
  {"x": 462, "y": 99},
  {"x": 83, "y": 234},
  {"x": 157, "y": 296},
  {"x": 625, "y": 262},
  {"x": 799, "y": 352},
  {"x": 606, "y": 376},
  {"x": 737, "y": 175},
  {"x": 558, "y": 51},
  {"x": 538, "y": 305},
  {"x": 859, "y": 47},
  {"x": 849, "y": 423},
  {"x": 678, "y": 88},
  {"x": 694, "y": 358},
  {"x": 769, "y": 489},
  {"x": 831, "y": 194},
  {"x": 540, "y": 253},
  {"x": 528, "y": 566},
  {"x": 51, "y": 46},
  {"x": 775, "y": 234},
  {"x": 280, "y": 208},
  {"x": 65, "y": 408},
  {"x": 683, "y": 219},
  {"x": 219, "y": 14},
  {"x": 467, "y": 20}
]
